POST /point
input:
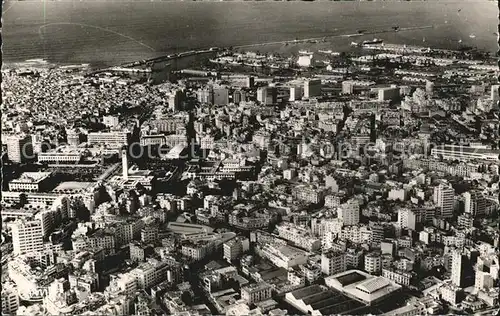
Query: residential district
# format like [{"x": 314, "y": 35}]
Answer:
[{"x": 323, "y": 183}]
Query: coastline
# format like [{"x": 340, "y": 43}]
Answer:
[{"x": 76, "y": 32}]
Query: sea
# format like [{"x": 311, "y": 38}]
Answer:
[{"x": 112, "y": 32}]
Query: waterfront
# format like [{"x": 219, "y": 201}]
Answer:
[{"x": 110, "y": 33}]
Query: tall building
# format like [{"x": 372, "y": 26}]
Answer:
[
  {"x": 250, "y": 82},
  {"x": 474, "y": 203},
  {"x": 73, "y": 137},
  {"x": 114, "y": 139},
  {"x": 261, "y": 94},
  {"x": 462, "y": 267},
  {"x": 124, "y": 164},
  {"x": 175, "y": 99},
  {"x": 295, "y": 93},
  {"x": 347, "y": 87},
  {"x": 458, "y": 268},
  {"x": 267, "y": 95},
  {"x": 444, "y": 198},
  {"x": 494, "y": 93},
  {"x": 10, "y": 298},
  {"x": 373, "y": 263},
  {"x": 205, "y": 96},
  {"x": 221, "y": 96},
  {"x": 429, "y": 87},
  {"x": 390, "y": 93},
  {"x": 235, "y": 247},
  {"x": 19, "y": 148},
  {"x": 373, "y": 128},
  {"x": 407, "y": 219},
  {"x": 349, "y": 213},
  {"x": 333, "y": 262},
  {"x": 149, "y": 233},
  {"x": 312, "y": 88},
  {"x": 239, "y": 96},
  {"x": 27, "y": 236}
]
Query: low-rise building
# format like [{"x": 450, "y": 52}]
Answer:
[{"x": 256, "y": 292}]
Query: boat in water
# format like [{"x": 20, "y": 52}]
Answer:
[
  {"x": 354, "y": 44},
  {"x": 305, "y": 52},
  {"x": 373, "y": 41},
  {"x": 472, "y": 36}
]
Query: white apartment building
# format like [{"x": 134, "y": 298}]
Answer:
[
  {"x": 48, "y": 220},
  {"x": 284, "y": 256},
  {"x": 125, "y": 283},
  {"x": 98, "y": 240},
  {"x": 150, "y": 273},
  {"x": 321, "y": 226},
  {"x": 349, "y": 213},
  {"x": 444, "y": 198},
  {"x": 464, "y": 153},
  {"x": 233, "y": 248},
  {"x": 333, "y": 262},
  {"x": 62, "y": 155},
  {"x": 357, "y": 234},
  {"x": 406, "y": 218},
  {"x": 400, "y": 277},
  {"x": 373, "y": 263},
  {"x": 27, "y": 236},
  {"x": 450, "y": 293},
  {"x": 10, "y": 299},
  {"x": 309, "y": 193},
  {"x": 207, "y": 142},
  {"x": 110, "y": 120},
  {"x": 298, "y": 236},
  {"x": 353, "y": 258},
  {"x": 196, "y": 250},
  {"x": 332, "y": 201},
  {"x": 115, "y": 139},
  {"x": 19, "y": 147}
]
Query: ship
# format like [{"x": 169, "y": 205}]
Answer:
[
  {"x": 305, "y": 52},
  {"x": 472, "y": 36},
  {"x": 354, "y": 44},
  {"x": 373, "y": 41}
]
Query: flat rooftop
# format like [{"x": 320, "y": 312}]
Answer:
[
  {"x": 32, "y": 177},
  {"x": 73, "y": 186},
  {"x": 318, "y": 299},
  {"x": 184, "y": 228},
  {"x": 361, "y": 286},
  {"x": 467, "y": 149}
]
